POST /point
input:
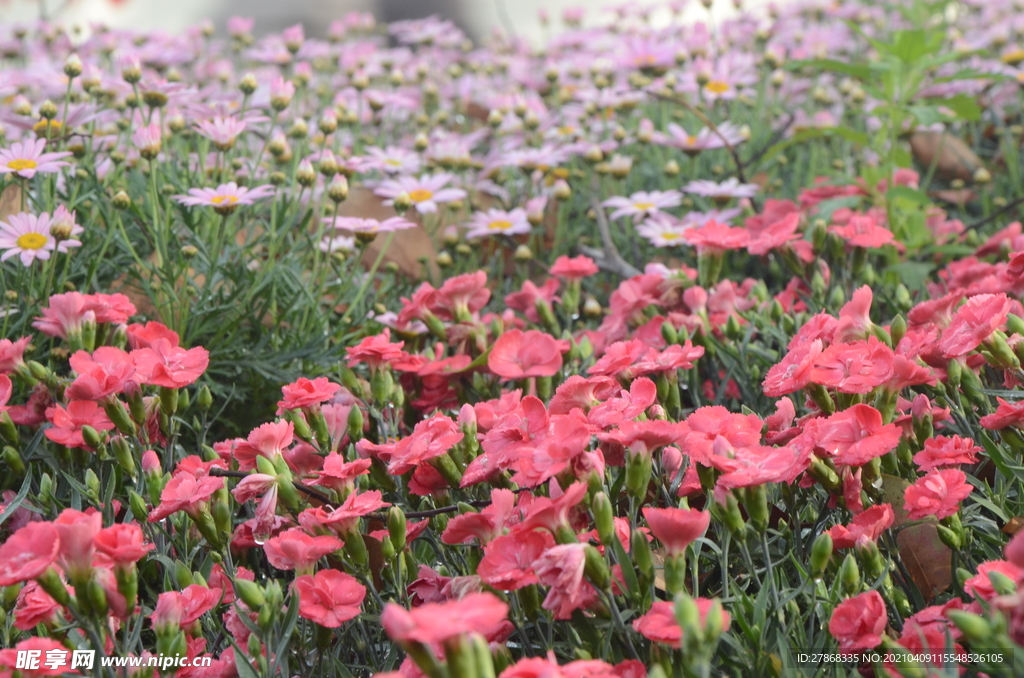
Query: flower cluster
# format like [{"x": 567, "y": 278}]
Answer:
[{"x": 650, "y": 352}]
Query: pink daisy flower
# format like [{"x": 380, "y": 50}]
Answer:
[
  {"x": 221, "y": 131},
  {"x": 498, "y": 222},
  {"x": 643, "y": 203},
  {"x": 361, "y": 225},
  {"x": 25, "y": 158},
  {"x": 27, "y": 236},
  {"x": 663, "y": 230},
  {"x": 703, "y": 140},
  {"x": 424, "y": 192},
  {"x": 730, "y": 188},
  {"x": 392, "y": 160},
  {"x": 226, "y": 197}
]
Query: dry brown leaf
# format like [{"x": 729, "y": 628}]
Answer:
[
  {"x": 10, "y": 201},
  {"x": 927, "y": 559},
  {"x": 407, "y": 247},
  {"x": 376, "y": 560},
  {"x": 960, "y": 196},
  {"x": 953, "y": 158},
  {"x": 1015, "y": 525},
  {"x": 658, "y": 557}
]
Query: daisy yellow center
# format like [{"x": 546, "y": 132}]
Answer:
[
  {"x": 647, "y": 59},
  {"x": 1014, "y": 57},
  {"x": 222, "y": 199},
  {"x": 717, "y": 86},
  {"x": 567, "y": 129},
  {"x": 393, "y": 162},
  {"x": 53, "y": 125},
  {"x": 499, "y": 225},
  {"x": 420, "y": 194},
  {"x": 643, "y": 206},
  {"x": 691, "y": 139},
  {"x": 22, "y": 164},
  {"x": 670, "y": 236},
  {"x": 31, "y": 241}
]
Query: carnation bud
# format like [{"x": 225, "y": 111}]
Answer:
[
  {"x": 592, "y": 308},
  {"x": 671, "y": 168},
  {"x": 975, "y": 628},
  {"x": 821, "y": 553},
  {"x": 903, "y": 298},
  {"x": 604, "y": 518},
  {"x": 250, "y": 593},
  {"x": 949, "y": 537},
  {"x": 897, "y": 329},
  {"x": 954, "y": 372},
  {"x": 523, "y": 253},
  {"x": 849, "y": 575},
  {"x": 355, "y": 423},
  {"x": 45, "y": 489},
  {"x": 123, "y": 455},
  {"x": 396, "y": 527},
  {"x": 92, "y": 481},
  {"x": 12, "y": 458},
  {"x": 91, "y": 437},
  {"x": 982, "y": 176},
  {"x": 688, "y": 617},
  {"x": 137, "y": 505}
]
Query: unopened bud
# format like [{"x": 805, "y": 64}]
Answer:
[
  {"x": 73, "y": 66},
  {"x": 248, "y": 84},
  {"x": 121, "y": 200}
]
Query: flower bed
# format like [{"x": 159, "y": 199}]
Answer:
[{"x": 661, "y": 350}]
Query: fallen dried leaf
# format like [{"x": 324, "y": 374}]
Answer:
[
  {"x": 926, "y": 558},
  {"x": 407, "y": 247},
  {"x": 960, "y": 196},
  {"x": 953, "y": 158},
  {"x": 1015, "y": 525},
  {"x": 10, "y": 201}
]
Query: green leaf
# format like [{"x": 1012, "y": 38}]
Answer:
[
  {"x": 287, "y": 629},
  {"x": 13, "y": 505},
  {"x": 628, "y": 573},
  {"x": 913, "y": 274},
  {"x": 912, "y": 45},
  {"x": 964, "y": 106},
  {"x": 242, "y": 665},
  {"x": 809, "y": 134},
  {"x": 929, "y": 115},
  {"x": 826, "y": 208},
  {"x": 860, "y": 71},
  {"x": 1001, "y": 460},
  {"x": 908, "y": 193}
]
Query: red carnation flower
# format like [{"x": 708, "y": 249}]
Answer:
[
  {"x": 330, "y": 598},
  {"x": 858, "y": 622},
  {"x": 519, "y": 355}
]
